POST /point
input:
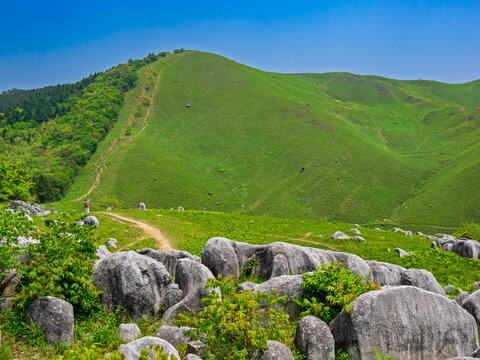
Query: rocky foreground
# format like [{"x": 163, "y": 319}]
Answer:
[{"x": 410, "y": 317}]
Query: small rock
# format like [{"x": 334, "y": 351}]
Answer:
[
  {"x": 356, "y": 231},
  {"x": 181, "y": 208},
  {"x": 339, "y": 236},
  {"x": 174, "y": 335},
  {"x": 109, "y": 208},
  {"x": 129, "y": 332},
  {"x": 133, "y": 349},
  {"x": 111, "y": 242},
  {"x": 377, "y": 229},
  {"x": 141, "y": 206},
  {"x": 197, "y": 347},
  {"x": 400, "y": 252},
  {"x": 277, "y": 351},
  {"x": 359, "y": 238},
  {"x": 192, "y": 357},
  {"x": 460, "y": 298},
  {"x": 450, "y": 289}
]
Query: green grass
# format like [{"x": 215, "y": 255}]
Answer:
[
  {"x": 372, "y": 148},
  {"x": 190, "y": 230}
]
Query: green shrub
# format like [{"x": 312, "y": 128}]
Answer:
[
  {"x": 237, "y": 324},
  {"x": 469, "y": 231},
  {"x": 462, "y": 272},
  {"x": 61, "y": 265},
  {"x": 331, "y": 289},
  {"x": 15, "y": 181}
]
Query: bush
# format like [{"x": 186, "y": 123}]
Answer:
[
  {"x": 469, "y": 231},
  {"x": 237, "y": 324},
  {"x": 331, "y": 289},
  {"x": 15, "y": 181},
  {"x": 61, "y": 265}
]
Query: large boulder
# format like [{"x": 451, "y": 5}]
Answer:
[
  {"x": 276, "y": 351},
  {"x": 467, "y": 248},
  {"x": 274, "y": 259},
  {"x": 406, "y": 322},
  {"x": 55, "y": 316},
  {"x": 133, "y": 349},
  {"x": 191, "y": 277},
  {"x": 472, "y": 305},
  {"x": 91, "y": 220},
  {"x": 314, "y": 339},
  {"x": 133, "y": 282},
  {"x": 170, "y": 260}
]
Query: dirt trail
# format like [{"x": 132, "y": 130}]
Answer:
[
  {"x": 122, "y": 139},
  {"x": 163, "y": 242}
]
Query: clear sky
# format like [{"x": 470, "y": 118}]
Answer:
[{"x": 48, "y": 42}]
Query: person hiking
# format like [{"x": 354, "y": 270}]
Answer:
[{"x": 85, "y": 206}]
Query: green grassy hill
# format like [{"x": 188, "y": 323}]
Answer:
[{"x": 217, "y": 135}]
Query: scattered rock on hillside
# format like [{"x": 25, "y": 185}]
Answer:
[
  {"x": 91, "y": 221},
  {"x": 220, "y": 257},
  {"x": 174, "y": 335},
  {"x": 358, "y": 238},
  {"x": 339, "y": 236},
  {"x": 181, "y": 208},
  {"x": 401, "y": 252},
  {"x": 108, "y": 208},
  {"x": 8, "y": 289},
  {"x": 128, "y": 332},
  {"x": 173, "y": 296},
  {"x": 133, "y": 349},
  {"x": 378, "y": 229},
  {"x": 450, "y": 289},
  {"x": 55, "y": 316},
  {"x": 192, "y": 357},
  {"x": 356, "y": 231},
  {"x": 111, "y": 242},
  {"x": 472, "y": 305},
  {"x": 276, "y": 351},
  {"x": 133, "y": 282},
  {"x": 405, "y": 312},
  {"x": 314, "y": 339},
  {"x": 141, "y": 206}
]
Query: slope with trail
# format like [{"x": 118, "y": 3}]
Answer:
[{"x": 223, "y": 136}]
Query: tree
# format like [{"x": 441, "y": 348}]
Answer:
[{"x": 15, "y": 183}]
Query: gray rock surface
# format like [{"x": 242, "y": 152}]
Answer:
[
  {"x": 174, "y": 335},
  {"x": 277, "y": 351},
  {"x": 133, "y": 282},
  {"x": 274, "y": 259},
  {"x": 472, "y": 305},
  {"x": 339, "y": 236},
  {"x": 400, "y": 252},
  {"x": 405, "y": 322},
  {"x": 196, "y": 347},
  {"x": 111, "y": 242},
  {"x": 91, "y": 220},
  {"x": 192, "y": 357},
  {"x": 55, "y": 316},
  {"x": 191, "y": 277},
  {"x": 359, "y": 238},
  {"x": 158, "y": 255},
  {"x": 356, "y": 231},
  {"x": 133, "y": 349},
  {"x": 422, "y": 279},
  {"x": 460, "y": 298},
  {"x": 289, "y": 285},
  {"x": 173, "y": 295},
  {"x": 476, "y": 354},
  {"x": 314, "y": 339},
  {"x": 129, "y": 332},
  {"x": 141, "y": 206},
  {"x": 449, "y": 289},
  {"x": 171, "y": 259}
]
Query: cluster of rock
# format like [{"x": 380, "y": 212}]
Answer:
[
  {"x": 342, "y": 236},
  {"x": 410, "y": 318},
  {"x": 29, "y": 209},
  {"x": 464, "y": 247}
]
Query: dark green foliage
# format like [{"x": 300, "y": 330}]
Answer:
[
  {"x": 15, "y": 181},
  {"x": 12, "y": 225},
  {"x": 469, "y": 231},
  {"x": 331, "y": 289},
  {"x": 238, "y": 323},
  {"x": 61, "y": 265},
  {"x": 179, "y": 51},
  {"x": 448, "y": 268}
]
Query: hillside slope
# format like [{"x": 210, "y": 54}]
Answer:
[{"x": 219, "y": 135}]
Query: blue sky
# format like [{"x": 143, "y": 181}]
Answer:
[{"x": 48, "y": 42}]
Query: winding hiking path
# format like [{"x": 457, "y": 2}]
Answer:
[
  {"x": 163, "y": 242},
  {"x": 122, "y": 139}
]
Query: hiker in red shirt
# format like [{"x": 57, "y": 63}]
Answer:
[{"x": 85, "y": 206}]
